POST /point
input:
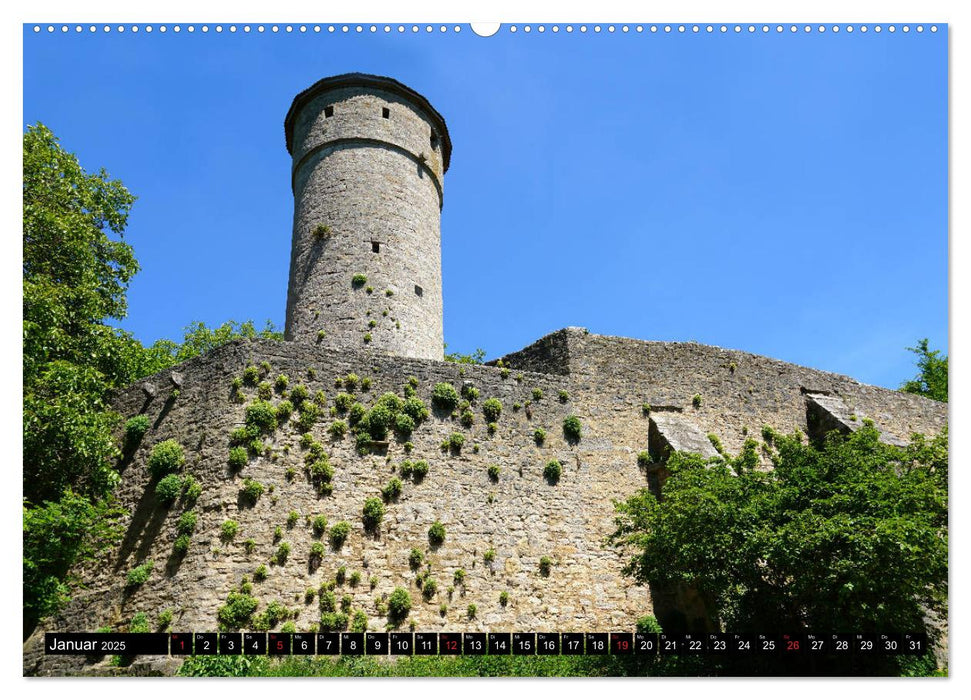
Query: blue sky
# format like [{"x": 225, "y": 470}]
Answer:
[{"x": 783, "y": 194}]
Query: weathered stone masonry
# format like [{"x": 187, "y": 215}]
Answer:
[{"x": 369, "y": 158}]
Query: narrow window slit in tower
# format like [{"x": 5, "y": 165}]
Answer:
[
  {"x": 329, "y": 111},
  {"x": 375, "y": 246},
  {"x": 385, "y": 112},
  {"x": 434, "y": 141},
  {"x": 418, "y": 290}
]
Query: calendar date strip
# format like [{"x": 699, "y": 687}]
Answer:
[{"x": 480, "y": 644}]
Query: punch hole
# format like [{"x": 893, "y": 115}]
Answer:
[{"x": 485, "y": 28}]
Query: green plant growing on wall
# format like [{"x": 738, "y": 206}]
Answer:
[
  {"x": 167, "y": 456},
  {"x": 428, "y": 588},
  {"x": 539, "y": 436},
  {"x": 164, "y": 620},
  {"x": 140, "y": 574},
  {"x": 404, "y": 425},
  {"x": 415, "y": 409},
  {"x": 467, "y": 418},
  {"x": 644, "y": 458},
  {"x": 716, "y": 443},
  {"x": 504, "y": 598},
  {"x": 399, "y": 605},
  {"x": 228, "y": 530},
  {"x": 359, "y": 280},
  {"x": 572, "y": 428},
  {"x": 238, "y": 610},
  {"x": 316, "y": 555},
  {"x": 277, "y": 533},
  {"x": 168, "y": 489},
  {"x": 261, "y": 417},
  {"x": 337, "y": 430},
  {"x": 343, "y": 402},
  {"x": 454, "y": 442},
  {"x": 284, "y": 410},
  {"x": 293, "y": 517},
  {"x": 299, "y": 394},
  {"x": 187, "y": 523},
  {"x": 470, "y": 393},
  {"x": 372, "y": 514},
  {"x": 181, "y": 545},
  {"x": 645, "y": 408},
  {"x": 251, "y": 491},
  {"x": 249, "y": 545},
  {"x": 392, "y": 491},
  {"x": 135, "y": 429},
  {"x": 648, "y": 624},
  {"x": 436, "y": 533},
  {"x": 489, "y": 555},
  {"x": 696, "y": 400},
  {"x": 238, "y": 457},
  {"x": 415, "y": 558},
  {"x": 444, "y": 396},
  {"x": 471, "y": 611},
  {"x": 545, "y": 565},
  {"x": 552, "y": 471},
  {"x": 354, "y": 579},
  {"x": 282, "y": 553},
  {"x": 264, "y": 391},
  {"x": 251, "y": 375},
  {"x": 319, "y": 525},
  {"x": 321, "y": 231},
  {"x": 260, "y": 573},
  {"x": 458, "y": 578},
  {"x": 492, "y": 409},
  {"x": 537, "y": 394},
  {"x": 338, "y": 533},
  {"x": 367, "y": 338},
  {"x": 494, "y": 471}
]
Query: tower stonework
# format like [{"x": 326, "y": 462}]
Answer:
[{"x": 369, "y": 157}]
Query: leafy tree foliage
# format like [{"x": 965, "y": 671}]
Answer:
[
  {"x": 476, "y": 358},
  {"x": 76, "y": 271},
  {"x": 848, "y": 536},
  {"x": 931, "y": 380}
]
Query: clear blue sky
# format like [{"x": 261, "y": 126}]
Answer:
[{"x": 783, "y": 194}]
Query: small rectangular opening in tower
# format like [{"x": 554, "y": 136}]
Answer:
[
  {"x": 375, "y": 246},
  {"x": 329, "y": 111},
  {"x": 434, "y": 141},
  {"x": 385, "y": 112},
  {"x": 418, "y": 290}
]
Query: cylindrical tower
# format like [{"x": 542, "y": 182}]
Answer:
[{"x": 369, "y": 155}]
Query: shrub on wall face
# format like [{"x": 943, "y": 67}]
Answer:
[
  {"x": 444, "y": 396},
  {"x": 168, "y": 489},
  {"x": 436, "y": 533},
  {"x": 572, "y": 428},
  {"x": 166, "y": 457},
  {"x": 372, "y": 514},
  {"x": 399, "y": 605},
  {"x": 492, "y": 409}
]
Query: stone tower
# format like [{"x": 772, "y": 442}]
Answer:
[{"x": 369, "y": 156}]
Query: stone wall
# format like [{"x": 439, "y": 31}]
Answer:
[
  {"x": 603, "y": 380},
  {"x": 521, "y": 516},
  {"x": 739, "y": 392}
]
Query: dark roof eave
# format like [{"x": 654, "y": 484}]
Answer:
[{"x": 386, "y": 84}]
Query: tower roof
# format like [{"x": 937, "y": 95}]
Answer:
[{"x": 366, "y": 80}]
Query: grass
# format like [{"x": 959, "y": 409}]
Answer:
[{"x": 452, "y": 666}]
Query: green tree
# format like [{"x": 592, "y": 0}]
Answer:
[
  {"x": 476, "y": 358},
  {"x": 848, "y": 536},
  {"x": 931, "y": 381},
  {"x": 76, "y": 271}
]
